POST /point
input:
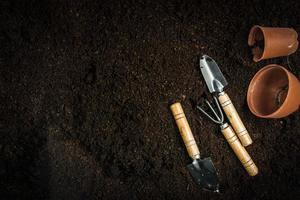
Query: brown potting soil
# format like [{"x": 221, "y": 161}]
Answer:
[{"x": 86, "y": 88}]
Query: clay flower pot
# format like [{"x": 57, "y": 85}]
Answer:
[
  {"x": 268, "y": 42},
  {"x": 274, "y": 92}
]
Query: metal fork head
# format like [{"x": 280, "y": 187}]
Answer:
[{"x": 219, "y": 116}]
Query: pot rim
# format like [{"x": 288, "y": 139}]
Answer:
[{"x": 252, "y": 31}]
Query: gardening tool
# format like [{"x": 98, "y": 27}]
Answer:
[
  {"x": 231, "y": 138},
  {"x": 271, "y": 42},
  {"x": 273, "y": 92},
  {"x": 202, "y": 170},
  {"x": 216, "y": 82}
]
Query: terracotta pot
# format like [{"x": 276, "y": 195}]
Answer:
[
  {"x": 274, "y": 92},
  {"x": 268, "y": 42}
]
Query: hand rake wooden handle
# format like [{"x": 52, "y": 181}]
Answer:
[
  {"x": 185, "y": 131},
  {"x": 239, "y": 150},
  {"x": 234, "y": 119}
]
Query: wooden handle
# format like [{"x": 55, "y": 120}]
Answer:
[
  {"x": 185, "y": 131},
  {"x": 234, "y": 119},
  {"x": 239, "y": 150}
]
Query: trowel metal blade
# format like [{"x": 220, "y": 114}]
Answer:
[
  {"x": 212, "y": 74},
  {"x": 204, "y": 174}
]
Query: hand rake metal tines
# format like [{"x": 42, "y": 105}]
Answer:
[{"x": 219, "y": 118}]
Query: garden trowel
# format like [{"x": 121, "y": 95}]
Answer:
[
  {"x": 216, "y": 82},
  {"x": 202, "y": 170}
]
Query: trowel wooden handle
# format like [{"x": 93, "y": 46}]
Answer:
[
  {"x": 239, "y": 150},
  {"x": 234, "y": 119},
  {"x": 185, "y": 131}
]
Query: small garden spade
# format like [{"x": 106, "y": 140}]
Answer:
[
  {"x": 216, "y": 83},
  {"x": 202, "y": 170}
]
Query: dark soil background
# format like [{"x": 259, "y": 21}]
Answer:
[{"x": 85, "y": 94}]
